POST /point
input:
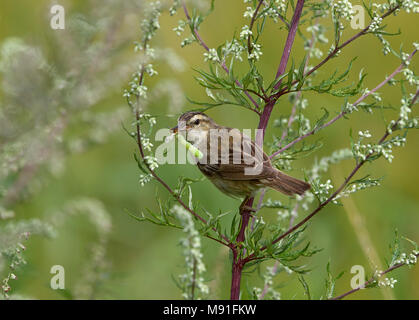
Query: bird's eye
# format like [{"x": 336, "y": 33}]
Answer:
[{"x": 196, "y": 121}]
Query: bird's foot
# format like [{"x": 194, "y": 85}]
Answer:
[{"x": 247, "y": 208}]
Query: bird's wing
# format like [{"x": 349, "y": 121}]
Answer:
[{"x": 244, "y": 160}]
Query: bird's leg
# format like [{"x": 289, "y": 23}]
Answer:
[{"x": 246, "y": 208}]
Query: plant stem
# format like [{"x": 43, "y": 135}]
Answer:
[
  {"x": 238, "y": 261},
  {"x": 166, "y": 186},
  {"x": 193, "y": 280},
  {"x": 343, "y": 185},
  {"x": 343, "y": 113},
  {"x": 276, "y": 265},
  {"x": 236, "y": 245},
  {"x": 290, "y": 40},
  {"x": 263, "y": 123},
  {"x": 336, "y": 50},
  {"x": 370, "y": 281},
  {"x": 222, "y": 63},
  {"x": 245, "y": 216},
  {"x": 236, "y": 276},
  {"x": 249, "y": 44},
  {"x": 299, "y": 93},
  {"x": 237, "y": 266}
]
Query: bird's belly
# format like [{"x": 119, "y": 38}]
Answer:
[{"x": 236, "y": 188}]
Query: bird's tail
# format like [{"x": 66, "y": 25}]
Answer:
[{"x": 288, "y": 185}]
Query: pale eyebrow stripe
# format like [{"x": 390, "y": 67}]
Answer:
[{"x": 196, "y": 117}]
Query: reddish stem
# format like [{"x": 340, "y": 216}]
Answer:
[
  {"x": 263, "y": 123},
  {"x": 290, "y": 40},
  {"x": 248, "y": 202},
  {"x": 236, "y": 277},
  {"x": 238, "y": 261},
  {"x": 237, "y": 258},
  {"x": 336, "y": 51}
]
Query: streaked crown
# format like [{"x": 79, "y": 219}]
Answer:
[{"x": 196, "y": 120}]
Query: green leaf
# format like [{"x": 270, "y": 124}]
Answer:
[
  {"x": 276, "y": 81},
  {"x": 305, "y": 286},
  {"x": 321, "y": 121},
  {"x": 300, "y": 75},
  {"x": 141, "y": 164},
  {"x": 326, "y": 86},
  {"x": 233, "y": 228},
  {"x": 290, "y": 76},
  {"x": 395, "y": 249},
  {"x": 413, "y": 243},
  {"x": 331, "y": 281}
]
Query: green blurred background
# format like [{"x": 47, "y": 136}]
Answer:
[{"x": 143, "y": 257}]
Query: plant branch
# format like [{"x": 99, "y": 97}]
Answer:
[
  {"x": 298, "y": 97},
  {"x": 166, "y": 186},
  {"x": 247, "y": 203},
  {"x": 290, "y": 40},
  {"x": 280, "y": 16},
  {"x": 154, "y": 174},
  {"x": 222, "y": 63},
  {"x": 336, "y": 51},
  {"x": 238, "y": 262},
  {"x": 343, "y": 113},
  {"x": 249, "y": 43},
  {"x": 370, "y": 281},
  {"x": 284, "y": 134},
  {"x": 276, "y": 265},
  {"x": 193, "y": 279},
  {"x": 263, "y": 123},
  {"x": 342, "y": 186}
]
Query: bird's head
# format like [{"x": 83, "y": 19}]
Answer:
[{"x": 196, "y": 125}]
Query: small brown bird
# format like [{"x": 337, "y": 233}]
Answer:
[{"x": 232, "y": 161}]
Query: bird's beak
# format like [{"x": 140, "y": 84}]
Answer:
[{"x": 174, "y": 130}]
